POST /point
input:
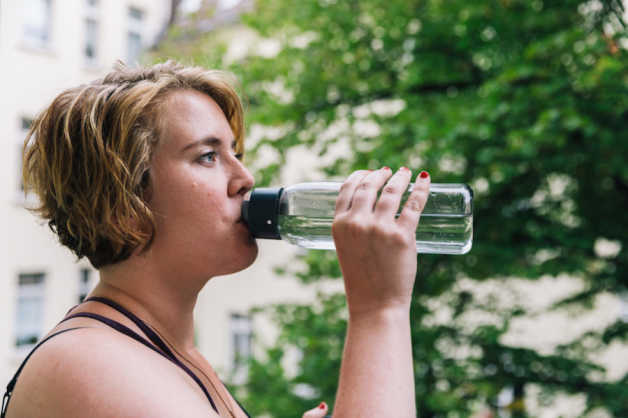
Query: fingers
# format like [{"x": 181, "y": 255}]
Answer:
[
  {"x": 343, "y": 201},
  {"x": 366, "y": 191},
  {"x": 411, "y": 212},
  {"x": 391, "y": 195},
  {"x": 318, "y": 412}
]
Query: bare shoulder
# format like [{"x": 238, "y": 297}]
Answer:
[{"x": 100, "y": 373}]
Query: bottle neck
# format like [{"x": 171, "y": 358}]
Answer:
[{"x": 260, "y": 212}]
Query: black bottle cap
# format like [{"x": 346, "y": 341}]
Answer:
[{"x": 260, "y": 212}]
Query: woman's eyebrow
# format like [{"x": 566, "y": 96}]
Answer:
[{"x": 210, "y": 140}]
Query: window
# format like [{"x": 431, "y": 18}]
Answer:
[
  {"x": 227, "y": 4},
  {"x": 134, "y": 42},
  {"x": 37, "y": 22},
  {"x": 241, "y": 337},
  {"x": 25, "y": 125},
  {"x": 29, "y": 318},
  {"x": 134, "y": 35},
  {"x": 190, "y": 6},
  {"x": 85, "y": 284},
  {"x": 90, "y": 50},
  {"x": 91, "y": 40}
]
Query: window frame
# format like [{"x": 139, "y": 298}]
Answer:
[
  {"x": 25, "y": 122},
  {"x": 241, "y": 335},
  {"x": 37, "y": 37},
  {"x": 92, "y": 14},
  {"x": 136, "y": 18},
  {"x": 26, "y": 291}
]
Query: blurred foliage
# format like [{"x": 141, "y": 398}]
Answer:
[{"x": 526, "y": 100}]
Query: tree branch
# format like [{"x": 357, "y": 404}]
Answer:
[{"x": 174, "y": 6}]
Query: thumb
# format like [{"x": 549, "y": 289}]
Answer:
[{"x": 318, "y": 412}]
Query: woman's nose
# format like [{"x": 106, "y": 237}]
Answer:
[{"x": 242, "y": 180}]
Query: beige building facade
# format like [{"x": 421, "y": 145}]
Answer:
[{"x": 45, "y": 47}]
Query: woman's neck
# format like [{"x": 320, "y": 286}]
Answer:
[{"x": 165, "y": 301}]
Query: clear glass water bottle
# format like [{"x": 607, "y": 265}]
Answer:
[{"x": 302, "y": 214}]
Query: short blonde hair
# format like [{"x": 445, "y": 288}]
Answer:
[{"x": 87, "y": 156}]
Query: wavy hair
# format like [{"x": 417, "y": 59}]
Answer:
[{"x": 87, "y": 156}]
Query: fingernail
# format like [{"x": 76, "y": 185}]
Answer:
[
  {"x": 322, "y": 405},
  {"x": 404, "y": 168},
  {"x": 424, "y": 174},
  {"x": 386, "y": 168}
]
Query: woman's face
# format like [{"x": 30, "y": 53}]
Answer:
[{"x": 197, "y": 188}]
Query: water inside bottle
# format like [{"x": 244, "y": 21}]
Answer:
[{"x": 436, "y": 234}]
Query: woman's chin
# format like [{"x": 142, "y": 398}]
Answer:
[
  {"x": 248, "y": 255},
  {"x": 254, "y": 252}
]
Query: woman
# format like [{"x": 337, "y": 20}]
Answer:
[{"x": 141, "y": 173}]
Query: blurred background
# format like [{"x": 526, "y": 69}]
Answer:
[{"x": 526, "y": 101}]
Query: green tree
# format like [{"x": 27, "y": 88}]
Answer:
[{"x": 525, "y": 100}]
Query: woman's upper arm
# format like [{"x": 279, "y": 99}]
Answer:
[{"x": 92, "y": 372}]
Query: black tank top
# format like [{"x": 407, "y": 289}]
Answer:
[{"x": 156, "y": 344}]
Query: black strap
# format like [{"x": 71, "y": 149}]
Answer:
[
  {"x": 7, "y": 395},
  {"x": 156, "y": 340},
  {"x": 117, "y": 326},
  {"x": 140, "y": 324},
  {"x": 161, "y": 348},
  {"x": 130, "y": 333}
]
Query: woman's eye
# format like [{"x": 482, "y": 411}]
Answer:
[{"x": 209, "y": 156}]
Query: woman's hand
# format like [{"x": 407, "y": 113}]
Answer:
[{"x": 377, "y": 252}]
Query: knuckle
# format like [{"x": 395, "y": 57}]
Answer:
[
  {"x": 356, "y": 176},
  {"x": 398, "y": 239},
  {"x": 358, "y": 227},
  {"x": 339, "y": 220},
  {"x": 345, "y": 186},
  {"x": 390, "y": 189},
  {"x": 384, "y": 204},
  {"x": 371, "y": 229},
  {"x": 414, "y": 204},
  {"x": 365, "y": 185}
]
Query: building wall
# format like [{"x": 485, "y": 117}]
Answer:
[{"x": 30, "y": 77}]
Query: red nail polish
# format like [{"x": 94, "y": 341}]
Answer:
[
  {"x": 386, "y": 168},
  {"x": 404, "y": 168},
  {"x": 424, "y": 174},
  {"x": 322, "y": 405}
]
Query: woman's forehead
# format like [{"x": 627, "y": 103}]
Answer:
[{"x": 189, "y": 115}]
